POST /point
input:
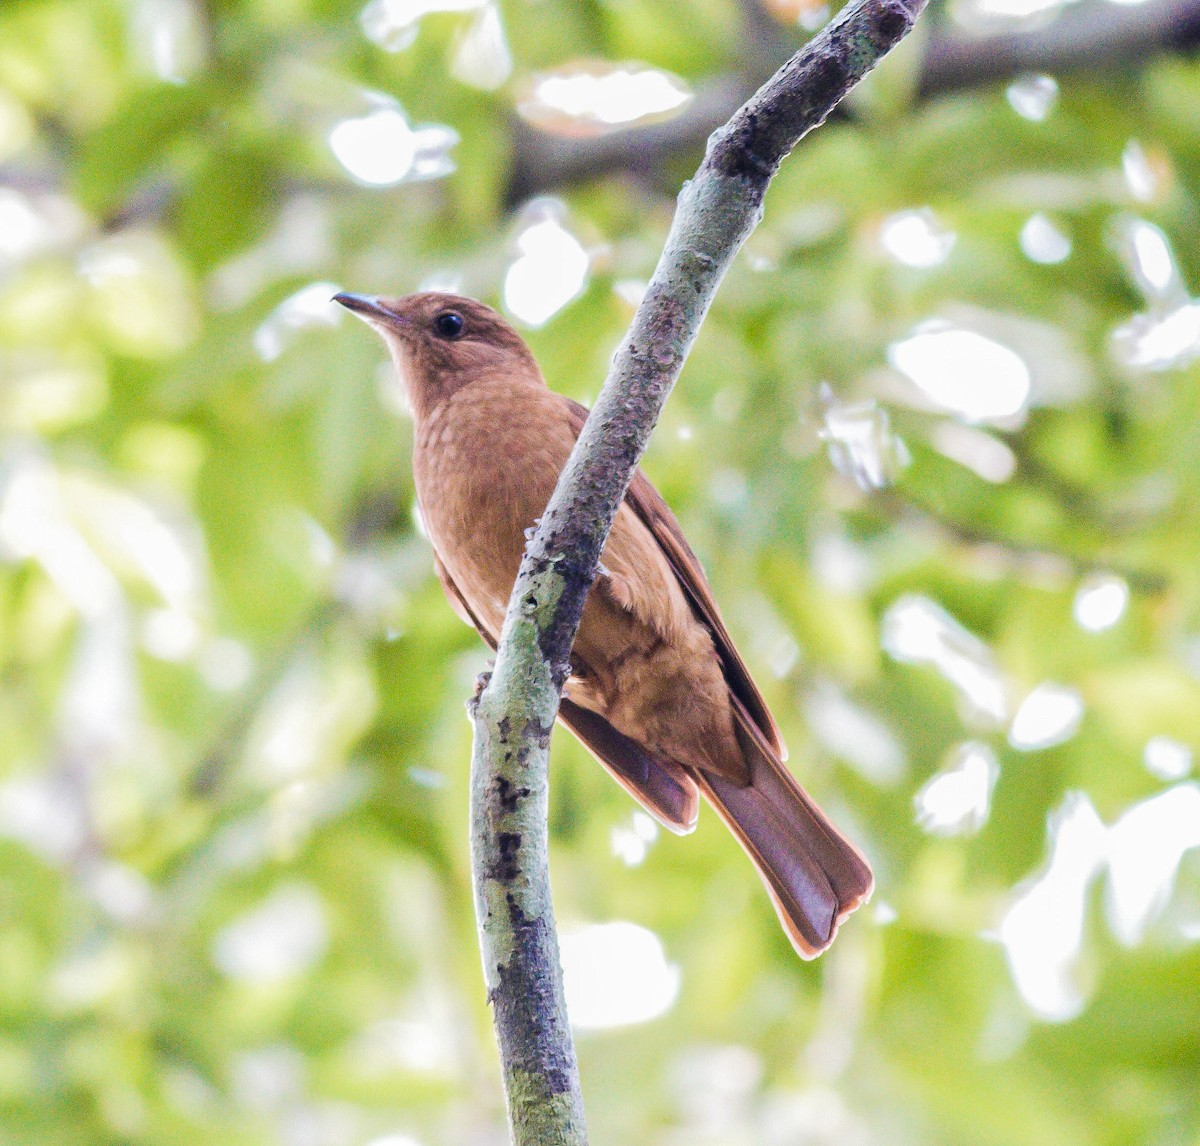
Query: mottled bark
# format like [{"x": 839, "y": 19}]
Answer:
[{"x": 516, "y": 708}]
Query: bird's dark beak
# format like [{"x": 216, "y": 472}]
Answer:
[{"x": 368, "y": 305}]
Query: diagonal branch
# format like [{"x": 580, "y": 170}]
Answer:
[{"x": 515, "y": 710}]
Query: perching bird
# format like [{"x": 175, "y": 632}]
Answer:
[{"x": 657, "y": 691}]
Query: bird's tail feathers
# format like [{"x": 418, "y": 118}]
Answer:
[
  {"x": 662, "y": 787},
  {"x": 814, "y": 875}
]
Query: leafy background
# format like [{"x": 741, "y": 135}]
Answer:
[{"x": 233, "y": 887}]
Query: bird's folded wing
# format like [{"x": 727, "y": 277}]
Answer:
[
  {"x": 458, "y": 602},
  {"x": 656, "y": 515},
  {"x": 661, "y": 787}
]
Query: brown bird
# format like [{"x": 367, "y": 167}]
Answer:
[{"x": 658, "y": 692}]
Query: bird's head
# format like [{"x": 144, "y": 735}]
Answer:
[{"x": 443, "y": 342}]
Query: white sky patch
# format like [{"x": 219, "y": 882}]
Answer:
[
  {"x": 551, "y": 267},
  {"x": 299, "y": 725},
  {"x": 1151, "y": 261},
  {"x": 107, "y": 261},
  {"x": 121, "y": 891},
  {"x": 632, "y": 843},
  {"x": 1154, "y": 342},
  {"x": 956, "y": 801},
  {"x": 1140, "y": 176},
  {"x": 861, "y": 443},
  {"x": 1049, "y": 715},
  {"x": 885, "y": 914},
  {"x": 813, "y": 17},
  {"x": 322, "y": 549},
  {"x": 393, "y": 24},
  {"x": 1167, "y": 334},
  {"x": 170, "y": 37},
  {"x": 817, "y": 1115},
  {"x": 1043, "y": 241},
  {"x": 380, "y": 149},
  {"x": 1167, "y": 758},
  {"x": 49, "y": 391},
  {"x": 22, "y": 229},
  {"x": 982, "y": 453},
  {"x": 42, "y": 514},
  {"x": 595, "y": 97},
  {"x": 170, "y": 634},
  {"x": 1012, "y": 11},
  {"x": 142, "y": 292},
  {"x": 310, "y": 306},
  {"x": 133, "y": 534},
  {"x": 840, "y": 564},
  {"x": 88, "y": 975},
  {"x": 284, "y": 936},
  {"x": 630, "y": 291},
  {"x": 1033, "y": 97},
  {"x": 423, "y": 1044},
  {"x": 1042, "y": 932},
  {"x": 1100, "y": 602},
  {"x": 300, "y": 243},
  {"x": 1145, "y": 848},
  {"x": 715, "y": 1083},
  {"x": 856, "y": 735},
  {"x": 40, "y": 811},
  {"x": 916, "y": 630},
  {"x": 443, "y": 282},
  {"x": 100, "y": 706},
  {"x": 30, "y": 225},
  {"x": 482, "y": 59},
  {"x": 225, "y": 664},
  {"x": 34, "y": 523},
  {"x": 781, "y": 653},
  {"x": 916, "y": 238},
  {"x": 268, "y": 1078},
  {"x": 963, "y": 372},
  {"x": 615, "y": 975}
]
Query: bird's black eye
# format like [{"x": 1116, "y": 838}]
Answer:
[{"x": 449, "y": 324}]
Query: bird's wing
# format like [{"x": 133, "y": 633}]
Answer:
[
  {"x": 458, "y": 602},
  {"x": 660, "y": 786},
  {"x": 647, "y": 503}
]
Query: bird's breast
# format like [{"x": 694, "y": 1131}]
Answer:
[{"x": 485, "y": 464}]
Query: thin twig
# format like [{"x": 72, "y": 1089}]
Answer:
[{"x": 515, "y": 710}]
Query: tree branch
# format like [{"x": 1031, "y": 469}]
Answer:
[
  {"x": 515, "y": 710},
  {"x": 1093, "y": 38},
  {"x": 1086, "y": 38}
]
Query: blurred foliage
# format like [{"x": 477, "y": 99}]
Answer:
[{"x": 233, "y": 874}]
